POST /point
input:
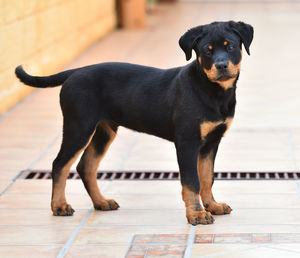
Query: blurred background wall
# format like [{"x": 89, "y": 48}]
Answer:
[{"x": 44, "y": 35}]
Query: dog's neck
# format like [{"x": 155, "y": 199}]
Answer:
[{"x": 211, "y": 93}]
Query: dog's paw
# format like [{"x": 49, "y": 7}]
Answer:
[
  {"x": 64, "y": 210},
  {"x": 217, "y": 208},
  {"x": 200, "y": 217},
  {"x": 107, "y": 205}
]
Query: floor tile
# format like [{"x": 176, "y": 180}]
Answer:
[
  {"x": 217, "y": 249},
  {"x": 45, "y": 186},
  {"x": 167, "y": 239},
  {"x": 260, "y": 252},
  {"x": 42, "y": 201},
  {"x": 286, "y": 246},
  {"x": 35, "y": 235},
  {"x": 285, "y": 238},
  {"x": 265, "y": 151},
  {"x": 256, "y": 187},
  {"x": 138, "y": 217},
  {"x": 176, "y": 251},
  {"x": 261, "y": 216},
  {"x": 91, "y": 234},
  {"x": 38, "y": 217},
  {"x": 4, "y": 184},
  {"x": 256, "y": 201},
  {"x": 153, "y": 202},
  {"x": 30, "y": 251},
  {"x": 97, "y": 251},
  {"x": 145, "y": 187},
  {"x": 247, "y": 238}
]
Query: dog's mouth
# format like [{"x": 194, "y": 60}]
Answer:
[{"x": 224, "y": 77}]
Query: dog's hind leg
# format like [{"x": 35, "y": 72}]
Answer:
[
  {"x": 76, "y": 136},
  {"x": 89, "y": 162}
]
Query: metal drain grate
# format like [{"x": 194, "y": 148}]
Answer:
[{"x": 154, "y": 175}]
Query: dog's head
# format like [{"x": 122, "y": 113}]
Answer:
[{"x": 218, "y": 47}]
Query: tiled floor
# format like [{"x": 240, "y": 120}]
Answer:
[{"x": 265, "y": 136}]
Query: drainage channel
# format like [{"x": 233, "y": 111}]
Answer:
[{"x": 161, "y": 175}]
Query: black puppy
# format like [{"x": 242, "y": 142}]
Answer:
[{"x": 191, "y": 106}]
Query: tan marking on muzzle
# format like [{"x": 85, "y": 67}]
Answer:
[
  {"x": 211, "y": 73},
  {"x": 234, "y": 70},
  {"x": 207, "y": 126}
]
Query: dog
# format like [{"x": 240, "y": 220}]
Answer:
[{"x": 192, "y": 106}]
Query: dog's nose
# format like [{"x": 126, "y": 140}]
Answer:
[{"x": 221, "y": 66}]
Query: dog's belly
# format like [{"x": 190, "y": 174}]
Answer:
[{"x": 151, "y": 125}]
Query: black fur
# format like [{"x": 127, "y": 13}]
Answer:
[{"x": 171, "y": 104}]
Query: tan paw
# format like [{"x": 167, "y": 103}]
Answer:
[
  {"x": 63, "y": 210},
  {"x": 107, "y": 205},
  {"x": 217, "y": 208},
  {"x": 200, "y": 217}
]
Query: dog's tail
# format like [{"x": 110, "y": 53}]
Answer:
[{"x": 43, "y": 81}]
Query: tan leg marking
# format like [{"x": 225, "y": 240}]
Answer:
[
  {"x": 205, "y": 172},
  {"x": 194, "y": 212},
  {"x": 59, "y": 205},
  {"x": 207, "y": 126},
  {"x": 90, "y": 162}
]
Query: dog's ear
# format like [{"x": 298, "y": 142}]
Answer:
[
  {"x": 244, "y": 31},
  {"x": 189, "y": 39}
]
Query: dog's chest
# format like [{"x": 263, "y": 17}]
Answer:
[{"x": 208, "y": 127}]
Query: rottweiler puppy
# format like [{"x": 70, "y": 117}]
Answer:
[{"x": 192, "y": 106}]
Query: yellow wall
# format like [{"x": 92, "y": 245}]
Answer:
[{"x": 44, "y": 35}]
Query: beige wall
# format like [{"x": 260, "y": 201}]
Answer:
[{"x": 44, "y": 35}]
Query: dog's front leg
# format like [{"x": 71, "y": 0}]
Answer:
[
  {"x": 206, "y": 176},
  {"x": 187, "y": 154}
]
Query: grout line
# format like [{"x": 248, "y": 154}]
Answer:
[
  {"x": 44, "y": 151},
  {"x": 129, "y": 245},
  {"x": 190, "y": 242},
  {"x": 74, "y": 235},
  {"x": 76, "y": 232}
]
